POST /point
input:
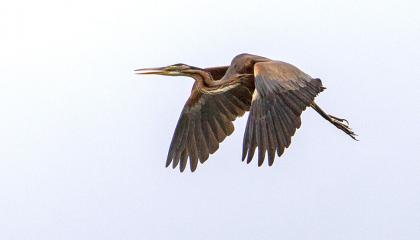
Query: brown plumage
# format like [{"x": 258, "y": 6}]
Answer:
[{"x": 275, "y": 93}]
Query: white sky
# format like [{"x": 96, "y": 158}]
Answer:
[{"x": 84, "y": 140}]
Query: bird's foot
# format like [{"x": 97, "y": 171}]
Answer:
[
  {"x": 342, "y": 124},
  {"x": 339, "y": 119}
]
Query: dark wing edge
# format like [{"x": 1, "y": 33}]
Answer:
[
  {"x": 205, "y": 121},
  {"x": 282, "y": 92}
]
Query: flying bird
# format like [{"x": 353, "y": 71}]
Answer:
[{"x": 275, "y": 93}]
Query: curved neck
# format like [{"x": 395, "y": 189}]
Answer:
[
  {"x": 203, "y": 78},
  {"x": 206, "y": 84}
]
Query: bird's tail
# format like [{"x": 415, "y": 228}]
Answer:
[{"x": 340, "y": 123}]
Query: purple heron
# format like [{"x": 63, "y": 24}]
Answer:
[{"x": 274, "y": 92}]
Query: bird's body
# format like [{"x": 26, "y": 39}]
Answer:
[{"x": 274, "y": 92}]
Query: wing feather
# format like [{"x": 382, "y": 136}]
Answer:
[
  {"x": 282, "y": 92},
  {"x": 205, "y": 121},
  {"x": 272, "y": 139}
]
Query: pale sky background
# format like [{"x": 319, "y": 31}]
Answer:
[{"x": 83, "y": 141}]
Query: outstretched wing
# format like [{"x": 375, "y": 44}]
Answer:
[
  {"x": 282, "y": 92},
  {"x": 205, "y": 122}
]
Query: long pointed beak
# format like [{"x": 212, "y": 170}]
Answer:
[{"x": 160, "y": 70}]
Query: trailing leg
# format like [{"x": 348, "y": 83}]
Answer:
[{"x": 340, "y": 123}]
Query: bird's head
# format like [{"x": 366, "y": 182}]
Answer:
[{"x": 178, "y": 69}]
